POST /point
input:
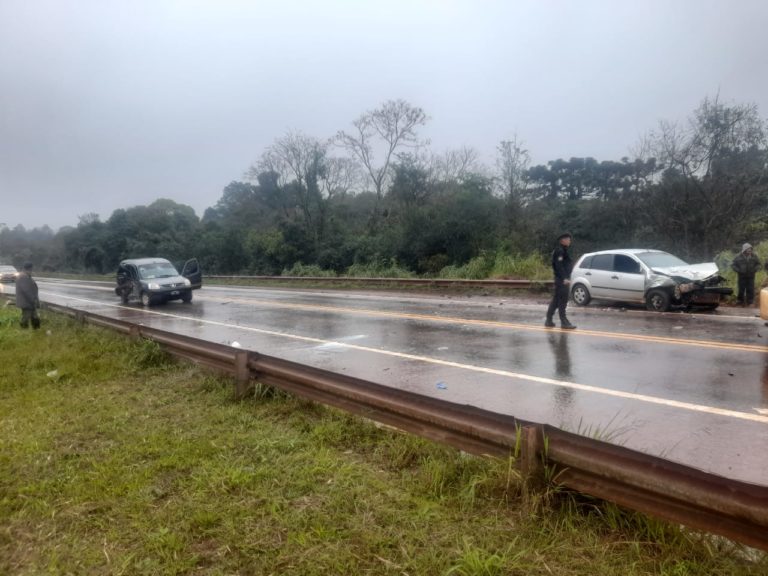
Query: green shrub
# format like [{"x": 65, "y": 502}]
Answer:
[
  {"x": 379, "y": 269},
  {"x": 299, "y": 269},
  {"x": 500, "y": 265}
]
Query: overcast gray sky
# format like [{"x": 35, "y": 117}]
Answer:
[{"x": 111, "y": 104}]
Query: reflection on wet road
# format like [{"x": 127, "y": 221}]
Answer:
[{"x": 688, "y": 387}]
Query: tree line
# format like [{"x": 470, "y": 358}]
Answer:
[{"x": 376, "y": 197}]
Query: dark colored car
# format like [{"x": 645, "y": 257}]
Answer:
[
  {"x": 651, "y": 277},
  {"x": 155, "y": 280},
  {"x": 8, "y": 273}
]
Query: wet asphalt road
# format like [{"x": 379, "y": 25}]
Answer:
[{"x": 692, "y": 388}]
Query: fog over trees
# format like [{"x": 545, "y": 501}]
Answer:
[{"x": 376, "y": 195}]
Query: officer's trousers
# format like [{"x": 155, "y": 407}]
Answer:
[{"x": 559, "y": 302}]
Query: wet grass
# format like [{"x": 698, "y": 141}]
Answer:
[{"x": 115, "y": 459}]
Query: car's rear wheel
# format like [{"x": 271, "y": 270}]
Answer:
[
  {"x": 146, "y": 299},
  {"x": 657, "y": 301},
  {"x": 581, "y": 295}
]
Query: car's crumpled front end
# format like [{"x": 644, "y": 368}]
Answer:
[{"x": 692, "y": 283}]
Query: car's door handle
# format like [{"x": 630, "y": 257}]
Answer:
[
  {"x": 614, "y": 277},
  {"x": 588, "y": 274}
]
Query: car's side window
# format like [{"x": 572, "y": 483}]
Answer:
[
  {"x": 622, "y": 263},
  {"x": 602, "y": 262},
  {"x": 587, "y": 262}
]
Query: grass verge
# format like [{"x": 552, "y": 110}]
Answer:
[{"x": 115, "y": 459}]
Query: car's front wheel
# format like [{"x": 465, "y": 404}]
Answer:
[
  {"x": 581, "y": 295},
  {"x": 187, "y": 297},
  {"x": 146, "y": 299},
  {"x": 657, "y": 301}
]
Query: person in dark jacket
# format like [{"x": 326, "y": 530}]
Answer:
[
  {"x": 746, "y": 265},
  {"x": 26, "y": 297},
  {"x": 561, "y": 268}
]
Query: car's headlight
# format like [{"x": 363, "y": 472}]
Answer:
[
  {"x": 187, "y": 282},
  {"x": 687, "y": 287},
  {"x": 153, "y": 286}
]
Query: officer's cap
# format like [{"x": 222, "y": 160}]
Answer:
[{"x": 564, "y": 235}]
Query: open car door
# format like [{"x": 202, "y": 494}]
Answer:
[{"x": 193, "y": 273}]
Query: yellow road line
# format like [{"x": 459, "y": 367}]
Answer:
[{"x": 498, "y": 324}]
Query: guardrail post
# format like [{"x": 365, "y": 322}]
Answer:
[
  {"x": 242, "y": 374},
  {"x": 531, "y": 463}
]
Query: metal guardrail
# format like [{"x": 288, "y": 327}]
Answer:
[
  {"x": 495, "y": 283},
  {"x": 681, "y": 494}
]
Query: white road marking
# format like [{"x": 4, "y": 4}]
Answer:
[{"x": 482, "y": 369}]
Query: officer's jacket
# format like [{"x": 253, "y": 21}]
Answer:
[{"x": 561, "y": 263}]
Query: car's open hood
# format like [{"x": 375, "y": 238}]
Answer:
[{"x": 690, "y": 271}]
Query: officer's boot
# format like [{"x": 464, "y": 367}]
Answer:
[{"x": 565, "y": 324}]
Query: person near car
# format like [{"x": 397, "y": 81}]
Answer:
[
  {"x": 27, "y": 298},
  {"x": 561, "y": 268},
  {"x": 746, "y": 265}
]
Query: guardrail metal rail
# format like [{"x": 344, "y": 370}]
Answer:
[
  {"x": 495, "y": 283},
  {"x": 648, "y": 484}
]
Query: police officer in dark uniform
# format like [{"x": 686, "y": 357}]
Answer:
[{"x": 561, "y": 267}]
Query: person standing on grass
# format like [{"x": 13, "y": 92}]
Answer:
[
  {"x": 26, "y": 297},
  {"x": 561, "y": 268},
  {"x": 746, "y": 265}
]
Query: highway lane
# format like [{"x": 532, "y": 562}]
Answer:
[{"x": 688, "y": 387}]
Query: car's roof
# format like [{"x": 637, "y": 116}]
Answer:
[
  {"x": 144, "y": 261},
  {"x": 627, "y": 251},
  {"x": 6, "y": 267}
]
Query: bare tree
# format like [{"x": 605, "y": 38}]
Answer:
[
  {"x": 300, "y": 162},
  {"x": 341, "y": 175},
  {"x": 512, "y": 162},
  {"x": 715, "y": 178},
  {"x": 377, "y": 137},
  {"x": 455, "y": 165}
]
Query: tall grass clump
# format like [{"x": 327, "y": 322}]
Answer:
[
  {"x": 500, "y": 265},
  {"x": 379, "y": 269},
  {"x": 531, "y": 267},
  {"x": 478, "y": 268},
  {"x": 307, "y": 270}
]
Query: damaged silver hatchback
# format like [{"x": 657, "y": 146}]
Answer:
[{"x": 651, "y": 277}]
